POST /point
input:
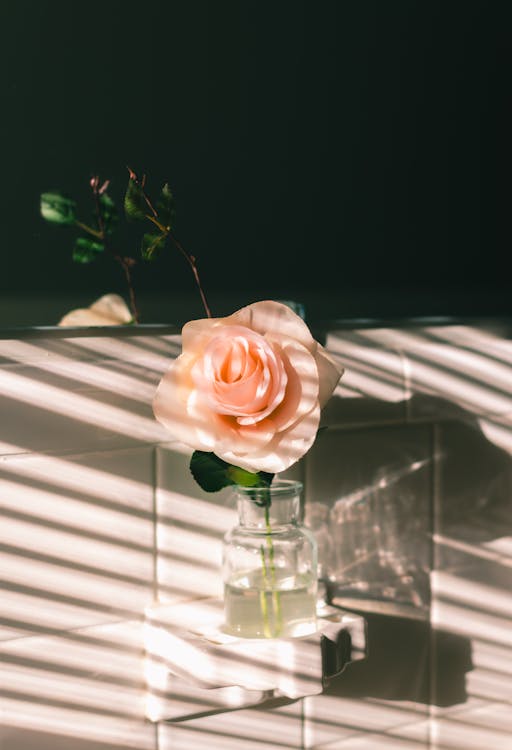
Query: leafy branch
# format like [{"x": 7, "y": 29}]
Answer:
[
  {"x": 96, "y": 235},
  {"x": 138, "y": 206}
]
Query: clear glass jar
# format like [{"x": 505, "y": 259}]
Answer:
[{"x": 270, "y": 565}]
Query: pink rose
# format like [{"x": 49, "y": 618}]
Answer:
[{"x": 248, "y": 387}]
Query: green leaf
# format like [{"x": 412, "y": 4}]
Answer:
[
  {"x": 165, "y": 207},
  {"x": 135, "y": 205},
  {"x": 209, "y": 471},
  {"x": 109, "y": 212},
  {"x": 248, "y": 478},
  {"x": 86, "y": 250},
  {"x": 58, "y": 208},
  {"x": 212, "y": 473},
  {"x": 152, "y": 243}
]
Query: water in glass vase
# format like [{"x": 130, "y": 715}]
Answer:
[{"x": 256, "y": 610}]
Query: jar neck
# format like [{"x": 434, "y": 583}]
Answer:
[{"x": 277, "y": 505}]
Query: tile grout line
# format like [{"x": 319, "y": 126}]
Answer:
[
  {"x": 434, "y": 562},
  {"x": 154, "y": 472},
  {"x": 302, "y": 725},
  {"x": 304, "y": 475}
]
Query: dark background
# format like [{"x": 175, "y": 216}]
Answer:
[{"x": 350, "y": 155}]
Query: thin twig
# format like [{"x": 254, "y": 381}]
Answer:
[
  {"x": 167, "y": 231},
  {"x": 89, "y": 230},
  {"x": 192, "y": 263},
  {"x": 123, "y": 262},
  {"x": 128, "y": 275}
]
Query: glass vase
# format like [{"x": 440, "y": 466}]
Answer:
[{"x": 270, "y": 565}]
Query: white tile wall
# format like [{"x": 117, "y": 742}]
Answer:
[
  {"x": 332, "y": 720},
  {"x": 79, "y": 688},
  {"x": 76, "y": 395},
  {"x": 77, "y": 479},
  {"x": 250, "y": 729},
  {"x": 190, "y": 527},
  {"x": 368, "y": 499},
  {"x": 100, "y": 515},
  {"x": 472, "y": 605},
  {"x": 372, "y": 389},
  {"x": 77, "y": 534}
]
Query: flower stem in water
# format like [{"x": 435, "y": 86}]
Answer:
[
  {"x": 276, "y": 598},
  {"x": 263, "y": 596}
]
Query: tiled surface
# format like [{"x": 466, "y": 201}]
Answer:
[
  {"x": 48, "y": 413},
  {"x": 474, "y": 668},
  {"x": 368, "y": 500},
  {"x": 456, "y": 371},
  {"x": 390, "y": 688},
  {"x": 372, "y": 389},
  {"x": 190, "y": 527},
  {"x": 77, "y": 538},
  {"x": 371, "y": 741},
  {"x": 80, "y": 689},
  {"x": 498, "y": 430},
  {"x": 250, "y": 729},
  {"x": 475, "y": 476},
  {"x": 462, "y": 732},
  {"x": 449, "y": 371},
  {"x": 335, "y": 721},
  {"x": 74, "y": 395},
  {"x": 123, "y": 350},
  {"x": 77, "y": 489},
  {"x": 77, "y": 478},
  {"x": 471, "y": 599}
]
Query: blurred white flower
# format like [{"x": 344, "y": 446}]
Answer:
[{"x": 109, "y": 310}]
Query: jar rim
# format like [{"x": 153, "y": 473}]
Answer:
[{"x": 277, "y": 488}]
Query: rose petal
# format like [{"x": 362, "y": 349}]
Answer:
[
  {"x": 270, "y": 317},
  {"x": 261, "y": 382},
  {"x": 196, "y": 334},
  {"x": 285, "y": 449},
  {"x": 170, "y": 404},
  {"x": 302, "y": 388},
  {"x": 244, "y": 439},
  {"x": 329, "y": 373}
]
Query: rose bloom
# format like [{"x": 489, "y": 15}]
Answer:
[{"x": 248, "y": 387}]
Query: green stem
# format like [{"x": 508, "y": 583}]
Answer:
[
  {"x": 89, "y": 230},
  {"x": 276, "y": 597},
  {"x": 274, "y": 629},
  {"x": 164, "y": 230},
  {"x": 123, "y": 262},
  {"x": 263, "y": 596},
  {"x": 153, "y": 217},
  {"x": 192, "y": 263}
]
